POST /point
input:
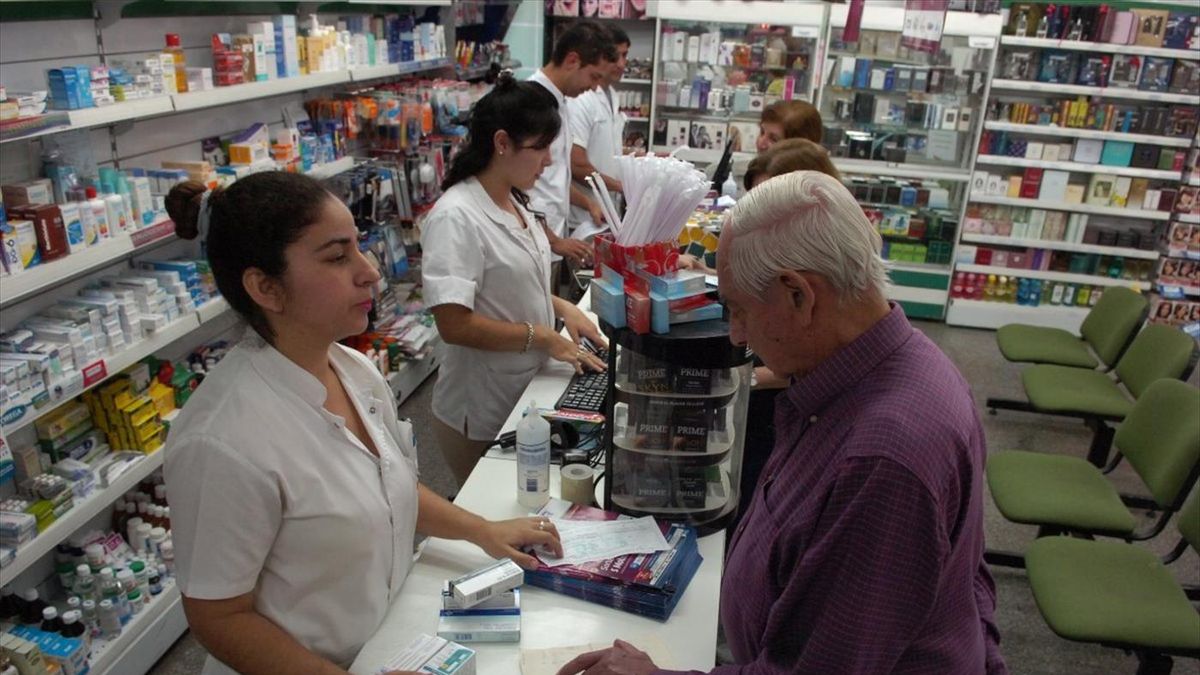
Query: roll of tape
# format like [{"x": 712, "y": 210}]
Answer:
[{"x": 577, "y": 483}]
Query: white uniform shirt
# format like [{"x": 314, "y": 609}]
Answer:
[
  {"x": 597, "y": 126},
  {"x": 479, "y": 256},
  {"x": 551, "y": 194},
  {"x": 271, "y": 493}
]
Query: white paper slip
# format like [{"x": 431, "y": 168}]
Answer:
[
  {"x": 589, "y": 540},
  {"x": 548, "y": 661}
]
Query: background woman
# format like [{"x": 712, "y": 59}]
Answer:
[{"x": 486, "y": 273}]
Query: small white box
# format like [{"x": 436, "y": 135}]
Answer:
[
  {"x": 997, "y": 185},
  {"x": 500, "y": 576},
  {"x": 1033, "y": 150},
  {"x": 1088, "y": 151},
  {"x": 434, "y": 655}
]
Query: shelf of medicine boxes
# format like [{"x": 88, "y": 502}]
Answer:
[
  {"x": 1115, "y": 211},
  {"x": 83, "y": 511},
  {"x": 1104, "y": 47},
  {"x": 1048, "y": 275},
  {"x": 51, "y": 274},
  {"x": 1003, "y": 160},
  {"x": 1026, "y": 86},
  {"x": 161, "y": 105},
  {"x": 96, "y": 372},
  {"x": 1053, "y": 245},
  {"x": 985, "y": 314},
  {"x": 48, "y": 275},
  {"x": 1070, "y": 132}
]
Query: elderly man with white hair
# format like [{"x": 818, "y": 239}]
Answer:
[{"x": 862, "y": 550}]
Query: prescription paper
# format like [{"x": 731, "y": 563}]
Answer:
[{"x": 590, "y": 540}]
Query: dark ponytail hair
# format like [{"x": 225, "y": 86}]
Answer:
[
  {"x": 251, "y": 223},
  {"x": 526, "y": 110}
]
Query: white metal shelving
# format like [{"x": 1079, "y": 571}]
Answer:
[
  {"x": 1070, "y": 132},
  {"x": 1118, "y": 211},
  {"x": 876, "y": 168},
  {"x": 124, "y": 111},
  {"x": 637, "y": 119},
  {"x": 48, "y": 275},
  {"x": 1047, "y": 275},
  {"x": 1053, "y": 245},
  {"x": 1001, "y": 160},
  {"x": 160, "y": 623},
  {"x": 635, "y": 82},
  {"x": 984, "y": 314},
  {"x": 1103, "y": 92},
  {"x": 81, "y": 513},
  {"x": 1190, "y": 218},
  {"x": 1105, "y": 47},
  {"x": 330, "y": 169}
]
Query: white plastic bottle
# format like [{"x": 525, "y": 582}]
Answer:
[
  {"x": 533, "y": 459},
  {"x": 729, "y": 187}
]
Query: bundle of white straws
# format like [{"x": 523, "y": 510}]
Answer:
[{"x": 660, "y": 194}]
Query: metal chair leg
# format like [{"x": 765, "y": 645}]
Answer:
[{"x": 1154, "y": 664}]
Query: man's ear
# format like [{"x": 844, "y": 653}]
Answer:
[
  {"x": 264, "y": 290},
  {"x": 802, "y": 292}
]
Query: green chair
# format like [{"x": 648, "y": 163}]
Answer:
[
  {"x": 1158, "y": 352},
  {"x": 1108, "y": 330},
  {"x": 1119, "y": 595},
  {"x": 1160, "y": 438}
]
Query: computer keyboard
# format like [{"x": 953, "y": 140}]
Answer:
[{"x": 585, "y": 393}]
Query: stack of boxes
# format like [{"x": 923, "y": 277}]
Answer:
[
  {"x": 70, "y": 87},
  {"x": 55, "y": 654},
  {"x": 144, "y": 77},
  {"x": 128, "y": 409}
]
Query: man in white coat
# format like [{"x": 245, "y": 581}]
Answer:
[{"x": 597, "y": 127}]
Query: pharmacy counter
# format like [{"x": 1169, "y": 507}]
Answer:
[{"x": 548, "y": 619}]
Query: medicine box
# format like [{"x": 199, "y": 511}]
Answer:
[{"x": 433, "y": 655}]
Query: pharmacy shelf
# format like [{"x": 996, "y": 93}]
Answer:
[
  {"x": 1193, "y": 180},
  {"x": 1001, "y": 160},
  {"x": 1052, "y": 245},
  {"x": 101, "y": 369},
  {"x": 83, "y": 511},
  {"x": 1105, "y": 47},
  {"x": 1190, "y": 218},
  {"x": 1118, "y": 211},
  {"x": 637, "y": 119},
  {"x": 48, "y": 275},
  {"x": 924, "y": 268},
  {"x": 331, "y": 169},
  {"x": 984, "y": 314},
  {"x": 635, "y": 81},
  {"x": 162, "y": 105},
  {"x": 1069, "y": 132},
  {"x": 1026, "y": 86},
  {"x": 198, "y": 100},
  {"x": 1047, "y": 275},
  {"x": 212, "y": 309},
  {"x": 405, "y": 380},
  {"x": 875, "y": 168},
  {"x": 158, "y": 625}
]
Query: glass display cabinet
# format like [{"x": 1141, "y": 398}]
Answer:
[{"x": 677, "y": 405}]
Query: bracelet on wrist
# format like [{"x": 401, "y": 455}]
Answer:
[{"x": 528, "y": 337}]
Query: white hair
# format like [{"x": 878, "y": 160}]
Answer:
[{"x": 804, "y": 221}]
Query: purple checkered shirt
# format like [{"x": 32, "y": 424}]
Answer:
[{"x": 862, "y": 551}]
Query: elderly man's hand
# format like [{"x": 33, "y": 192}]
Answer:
[{"x": 620, "y": 659}]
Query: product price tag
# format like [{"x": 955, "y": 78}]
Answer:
[
  {"x": 981, "y": 42},
  {"x": 1171, "y": 292},
  {"x": 1192, "y": 329},
  {"x": 806, "y": 31}
]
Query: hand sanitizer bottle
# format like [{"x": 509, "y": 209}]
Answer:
[{"x": 533, "y": 459}]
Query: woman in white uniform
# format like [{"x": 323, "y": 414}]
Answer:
[
  {"x": 486, "y": 272},
  {"x": 293, "y": 484}
]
